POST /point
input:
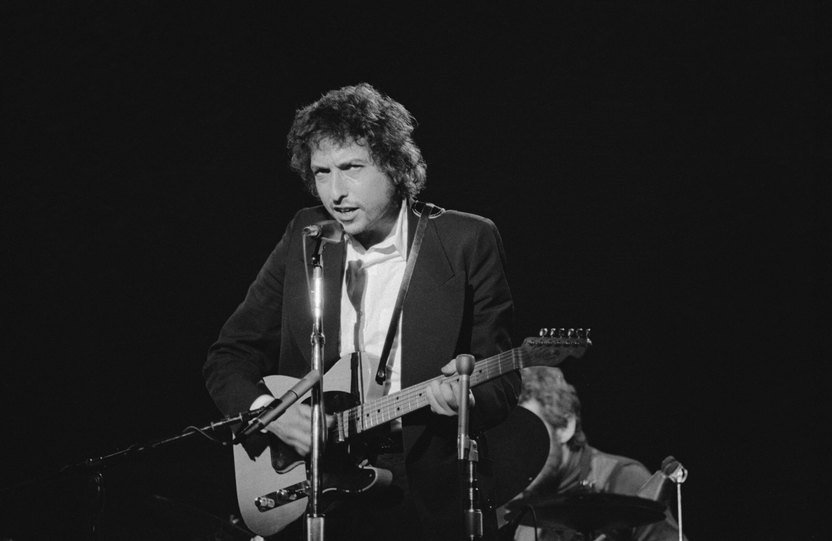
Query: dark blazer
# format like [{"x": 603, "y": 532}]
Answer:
[{"x": 458, "y": 302}]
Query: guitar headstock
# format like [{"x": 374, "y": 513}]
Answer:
[{"x": 553, "y": 346}]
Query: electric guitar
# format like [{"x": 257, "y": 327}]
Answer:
[{"x": 272, "y": 488}]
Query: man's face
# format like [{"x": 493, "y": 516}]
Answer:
[{"x": 359, "y": 195}]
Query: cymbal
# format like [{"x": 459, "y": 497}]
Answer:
[
  {"x": 586, "y": 512},
  {"x": 516, "y": 461}
]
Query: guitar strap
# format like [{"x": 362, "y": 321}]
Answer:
[{"x": 381, "y": 370}]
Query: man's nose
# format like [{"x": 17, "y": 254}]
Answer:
[{"x": 340, "y": 188}]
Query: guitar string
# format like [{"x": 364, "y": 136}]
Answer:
[
  {"x": 503, "y": 362},
  {"x": 358, "y": 419}
]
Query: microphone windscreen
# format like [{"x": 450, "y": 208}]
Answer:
[{"x": 669, "y": 465}]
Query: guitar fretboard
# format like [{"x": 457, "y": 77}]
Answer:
[{"x": 366, "y": 416}]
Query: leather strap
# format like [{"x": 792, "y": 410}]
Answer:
[{"x": 381, "y": 370}]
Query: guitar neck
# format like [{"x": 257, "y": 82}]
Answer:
[{"x": 377, "y": 412}]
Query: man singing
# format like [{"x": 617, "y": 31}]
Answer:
[{"x": 353, "y": 148}]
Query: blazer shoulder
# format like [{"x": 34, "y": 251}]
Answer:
[
  {"x": 453, "y": 218},
  {"x": 468, "y": 218},
  {"x": 465, "y": 225}
]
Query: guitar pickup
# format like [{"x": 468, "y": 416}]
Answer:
[{"x": 283, "y": 496}]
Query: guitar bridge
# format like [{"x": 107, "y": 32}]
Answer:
[{"x": 283, "y": 496}]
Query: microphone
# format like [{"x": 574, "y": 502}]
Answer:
[
  {"x": 656, "y": 487},
  {"x": 278, "y": 406},
  {"x": 327, "y": 231},
  {"x": 674, "y": 470}
]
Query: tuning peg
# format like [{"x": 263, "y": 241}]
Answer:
[{"x": 562, "y": 332}]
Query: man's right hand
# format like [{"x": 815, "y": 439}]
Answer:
[{"x": 294, "y": 428}]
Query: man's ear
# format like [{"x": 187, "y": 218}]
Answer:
[{"x": 565, "y": 434}]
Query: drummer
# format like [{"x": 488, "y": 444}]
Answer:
[{"x": 573, "y": 465}]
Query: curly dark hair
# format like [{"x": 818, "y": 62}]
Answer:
[
  {"x": 363, "y": 115},
  {"x": 558, "y": 399}
]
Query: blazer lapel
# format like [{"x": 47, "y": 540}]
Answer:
[
  {"x": 432, "y": 264},
  {"x": 432, "y": 311}
]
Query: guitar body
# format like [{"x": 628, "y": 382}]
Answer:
[
  {"x": 256, "y": 478},
  {"x": 271, "y": 488}
]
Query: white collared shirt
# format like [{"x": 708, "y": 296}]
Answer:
[{"x": 384, "y": 264}]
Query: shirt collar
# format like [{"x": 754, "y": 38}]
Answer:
[{"x": 394, "y": 243}]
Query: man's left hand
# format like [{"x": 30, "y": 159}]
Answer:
[{"x": 443, "y": 396}]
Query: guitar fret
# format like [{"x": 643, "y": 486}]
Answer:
[
  {"x": 393, "y": 406},
  {"x": 390, "y": 407}
]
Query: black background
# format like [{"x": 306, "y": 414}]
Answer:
[{"x": 654, "y": 168}]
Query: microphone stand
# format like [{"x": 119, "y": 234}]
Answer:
[
  {"x": 679, "y": 475},
  {"x": 314, "y": 517},
  {"x": 467, "y": 453},
  {"x": 94, "y": 467},
  {"x": 139, "y": 448}
]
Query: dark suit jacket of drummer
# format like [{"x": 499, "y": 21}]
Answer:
[{"x": 458, "y": 302}]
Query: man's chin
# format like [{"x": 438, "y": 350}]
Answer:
[{"x": 352, "y": 228}]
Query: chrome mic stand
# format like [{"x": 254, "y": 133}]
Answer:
[
  {"x": 678, "y": 474},
  {"x": 322, "y": 232},
  {"x": 314, "y": 517},
  {"x": 467, "y": 453}
]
